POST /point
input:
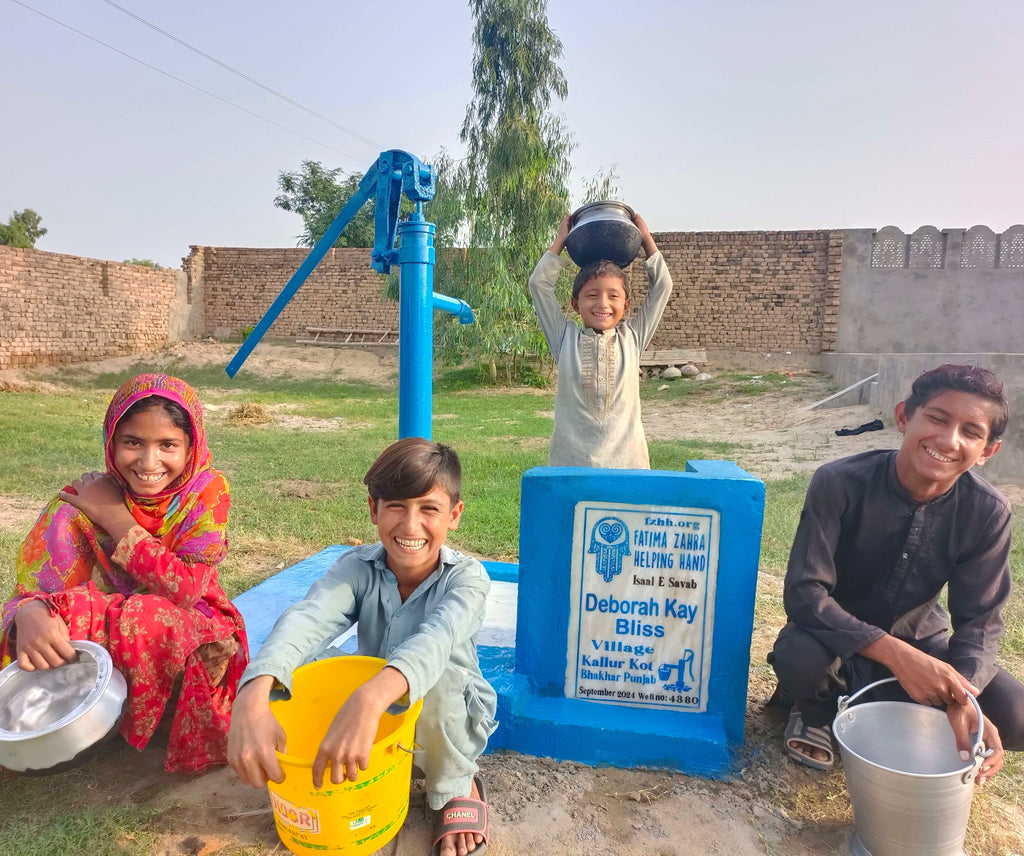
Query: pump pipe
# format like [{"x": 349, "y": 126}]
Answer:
[{"x": 366, "y": 188}]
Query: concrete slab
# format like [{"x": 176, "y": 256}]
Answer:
[{"x": 262, "y": 604}]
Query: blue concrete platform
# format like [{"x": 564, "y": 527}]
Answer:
[
  {"x": 635, "y": 613},
  {"x": 263, "y": 603}
]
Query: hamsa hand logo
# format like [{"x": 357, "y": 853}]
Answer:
[{"x": 609, "y": 541}]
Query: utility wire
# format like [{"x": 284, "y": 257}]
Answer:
[
  {"x": 185, "y": 82},
  {"x": 245, "y": 76}
]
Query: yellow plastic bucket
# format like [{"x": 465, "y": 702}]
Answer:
[{"x": 353, "y": 817}]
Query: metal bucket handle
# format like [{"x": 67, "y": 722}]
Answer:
[{"x": 978, "y": 750}]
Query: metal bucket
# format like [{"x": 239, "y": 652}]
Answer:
[{"x": 911, "y": 791}]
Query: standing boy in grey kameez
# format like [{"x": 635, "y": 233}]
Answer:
[{"x": 597, "y": 406}]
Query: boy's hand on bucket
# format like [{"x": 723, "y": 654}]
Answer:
[
  {"x": 963, "y": 721},
  {"x": 347, "y": 744},
  {"x": 994, "y": 762},
  {"x": 255, "y": 736},
  {"x": 349, "y": 739},
  {"x": 926, "y": 679}
]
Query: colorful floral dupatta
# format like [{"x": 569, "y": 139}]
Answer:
[{"x": 158, "y": 609}]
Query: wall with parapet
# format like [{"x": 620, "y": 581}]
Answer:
[
  {"x": 912, "y": 302},
  {"x": 929, "y": 292},
  {"x": 60, "y": 309},
  {"x": 953, "y": 291}
]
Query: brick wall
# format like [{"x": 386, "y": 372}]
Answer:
[
  {"x": 239, "y": 284},
  {"x": 753, "y": 291},
  {"x": 749, "y": 291},
  {"x": 60, "y": 309},
  {"x": 738, "y": 290}
]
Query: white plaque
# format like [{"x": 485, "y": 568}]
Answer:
[{"x": 642, "y": 604}]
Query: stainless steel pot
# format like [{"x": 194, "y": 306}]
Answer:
[
  {"x": 603, "y": 230},
  {"x": 49, "y": 717}
]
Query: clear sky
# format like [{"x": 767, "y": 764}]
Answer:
[{"x": 717, "y": 115}]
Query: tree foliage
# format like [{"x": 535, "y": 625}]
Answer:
[
  {"x": 144, "y": 263},
  {"x": 601, "y": 186},
  {"x": 317, "y": 195},
  {"x": 507, "y": 196},
  {"x": 23, "y": 229}
]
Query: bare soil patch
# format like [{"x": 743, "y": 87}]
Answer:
[
  {"x": 18, "y": 513},
  {"x": 769, "y": 806},
  {"x": 784, "y": 438}
]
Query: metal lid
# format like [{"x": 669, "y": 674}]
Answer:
[{"x": 45, "y": 700}]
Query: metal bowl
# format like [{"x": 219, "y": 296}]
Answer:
[
  {"x": 603, "y": 230},
  {"x": 50, "y": 717}
]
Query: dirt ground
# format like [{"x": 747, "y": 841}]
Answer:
[{"x": 539, "y": 806}]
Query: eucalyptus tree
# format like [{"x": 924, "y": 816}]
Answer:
[{"x": 504, "y": 200}]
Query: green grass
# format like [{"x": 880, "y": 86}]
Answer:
[
  {"x": 47, "y": 828},
  {"x": 783, "y": 501},
  {"x": 296, "y": 490}
]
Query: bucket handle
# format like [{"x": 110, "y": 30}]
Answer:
[
  {"x": 978, "y": 750},
  {"x": 416, "y": 750}
]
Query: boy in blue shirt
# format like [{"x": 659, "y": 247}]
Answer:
[{"x": 418, "y": 605}]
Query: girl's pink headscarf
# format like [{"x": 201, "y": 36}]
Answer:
[{"x": 173, "y": 389}]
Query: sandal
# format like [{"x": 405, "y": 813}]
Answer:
[
  {"x": 463, "y": 814},
  {"x": 813, "y": 736}
]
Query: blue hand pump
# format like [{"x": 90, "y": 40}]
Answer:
[{"x": 393, "y": 172}]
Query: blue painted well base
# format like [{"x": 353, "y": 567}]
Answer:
[
  {"x": 263, "y": 604},
  {"x": 598, "y": 734},
  {"x": 534, "y": 715},
  {"x": 564, "y": 729}
]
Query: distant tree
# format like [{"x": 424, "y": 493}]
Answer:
[
  {"x": 144, "y": 263},
  {"x": 23, "y": 229},
  {"x": 509, "y": 194},
  {"x": 317, "y": 195}
]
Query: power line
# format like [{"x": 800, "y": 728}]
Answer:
[
  {"x": 245, "y": 76},
  {"x": 186, "y": 83}
]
